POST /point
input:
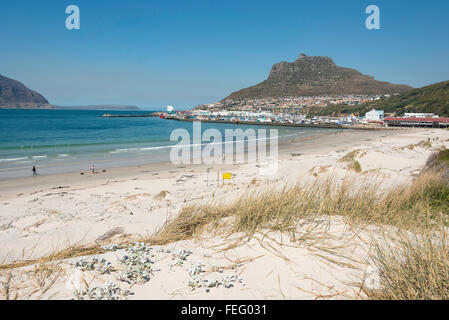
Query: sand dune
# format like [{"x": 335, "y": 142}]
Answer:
[{"x": 42, "y": 215}]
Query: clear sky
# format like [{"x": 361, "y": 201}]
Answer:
[{"x": 183, "y": 53}]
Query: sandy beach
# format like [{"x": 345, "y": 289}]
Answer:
[{"x": 44, "y": 214}]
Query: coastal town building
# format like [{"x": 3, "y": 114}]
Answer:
[
  {"x": 296, "y": 111},
  {"x": 420, "y": 115},
  {"x": 292, "y": 105},
  {"x": 434, "y": 122},
  {"x": 374, "y": 115}
]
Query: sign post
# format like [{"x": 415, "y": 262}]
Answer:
[{"x": 227, "y": 176}]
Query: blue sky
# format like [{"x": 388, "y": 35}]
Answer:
[{"x": 184, "y": 53}]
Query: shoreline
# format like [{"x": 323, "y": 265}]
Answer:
[
  {"x": 14, "y": 186},
  {"x": 119, "y": 154}
]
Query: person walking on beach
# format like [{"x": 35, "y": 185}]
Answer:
[
  {"x": 92, "y": 168},
  {"x": 34, "y": 171}
]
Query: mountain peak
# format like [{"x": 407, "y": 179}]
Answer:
[
  {"x": 305, "y": 58},
  {"x": 315, "y": 75},
  {"x": 14, "y": 94}
]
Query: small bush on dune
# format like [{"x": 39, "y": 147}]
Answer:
[
  {"x": 350, "y": 156},
  {"x": 355, "y": 165},
  {"x": 438, "y": 159},
  {"x": 351, "y": 159},
  {"x": 425, "y": 144},
  {"x": 437, "y": 194}
]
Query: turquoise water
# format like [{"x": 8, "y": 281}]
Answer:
[{"x": 61, "y": 141}]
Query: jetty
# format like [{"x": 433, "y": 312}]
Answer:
[
  {"x": 278, "y": 124},
  {"x": 147, "y": 115}
]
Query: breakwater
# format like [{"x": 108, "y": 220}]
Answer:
[{"x": 279, "y": 124}]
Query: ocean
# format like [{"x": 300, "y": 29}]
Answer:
[{"x": 58, "y": 141}]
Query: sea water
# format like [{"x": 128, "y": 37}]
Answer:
[{"x": 58, "y": 141}]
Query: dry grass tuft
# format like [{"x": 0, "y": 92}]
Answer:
[
  {"x": 355, "y": 166},
  {"x": 422, "y": 144},
  {"x": 424, "y": 204},
  {"x": 187, "y": 224},
  {"x": 161, "y": 195},
  {"x": 417, "y": 266},
  {"x": 71, "y": 252},
  {"x": 439, "y": 162},
  {"x": 415, "y": 269},
  {"x": 253, "y": 181},
  {"x": 350, "y": 158},
  {"x": 30, "y": 283}
]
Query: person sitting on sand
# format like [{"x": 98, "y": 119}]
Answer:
[{"x": 34, "y": 171}]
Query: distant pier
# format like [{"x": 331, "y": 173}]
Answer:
[
  {"x": 278, "y": 124},
  {"x": 237, "y": 122},
  {"x": 148, "y": 115}
]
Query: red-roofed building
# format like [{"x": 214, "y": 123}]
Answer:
[{"x": 417, "y": 122}]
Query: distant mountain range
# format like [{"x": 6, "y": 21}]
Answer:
[
  {"x": 314, "y": 76},
  {"x": 14, "y": 94},
  {"x": 100, "y": 107}
]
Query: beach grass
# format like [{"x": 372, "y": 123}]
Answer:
[
  {"x": 353, "y": 163},
  {"x": 422, "y": 205},
  {"x": 415, "y": 267}
]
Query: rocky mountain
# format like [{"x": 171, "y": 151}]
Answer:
[
  {"x": 314, "y": 76},
  {"x": 14, "y": 94}
]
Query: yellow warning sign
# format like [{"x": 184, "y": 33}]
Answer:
[{"x": 227, "y": 176}]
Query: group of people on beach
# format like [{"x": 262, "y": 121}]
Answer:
[{"x": 34, "y": 169}]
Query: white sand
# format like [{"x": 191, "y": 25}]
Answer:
[{"x": 38, "y": 217}]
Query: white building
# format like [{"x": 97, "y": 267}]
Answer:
[
  {"x": 200, "y": 112},
  {"x": 420, "y": 115},
  {"x": 374, "y": 115}
]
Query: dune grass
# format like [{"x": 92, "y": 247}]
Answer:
[
  {"x": 414, "y": 268},
  {"x": 353, "y": 163},
  {"x": 350, "y": 156},
  {"x": 417, "y": 267},
  {"x": 70, "y": 252},
  {"x": 355, "y": 166},
  {"x": 424, "y": 204}
]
